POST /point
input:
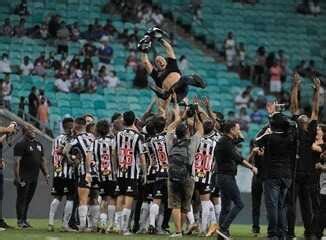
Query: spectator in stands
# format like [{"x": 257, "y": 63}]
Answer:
[
  {"x": 243, "y": 99},
  {"x": 40, "y": 65},
  {"x": 6, "y": 88},
  {"x": 230, "y": 50},
  {"x": 124, "y": 37},
  {"x": 26, "y": 67},
  {"x": 20, "y": 30},
  {"x": 132, "y": 40},
  {"x": 196, "y": 6},
  {"x": 44, "y": 32},
  {"x": 43, "y": 114},
  {"x": 89, "y": 34},
  {"x": 113, "y": 80},
  {"x": 54, "y": 25},
  {"x": 231, "y": 116},
  {"x": 257, "y": 116},
  {"x": 63, "y": 37},
  {"x": 276, "y": 73},
  {"x": 43, "y": 96},
  {"x": 157, "y": 17},
  {"x": 62, "y": 84},
  {"x": 89, "y": 82},
  {"x": 5, "y": 64},
  {"x": 88, "y": 49},
  {"x": 243, "y": 67},
  {"x": 314, "y": 7},
  {"x": 259, "y": 67},
  {"x": 109, "y": 29},
  {"x": 33, "y": 102},
  {"x": 301, "y": 68},
  {"x": 145, "y": 14},
  {"x": 132, "y": 61},
  {"x": 105, "y": 52},
  {"x": 97, "y": 27},
  {"x": 7, "y": 29},
  {"x": 21, "y": 107},
  {"x": 243, "y": 119},
  {"x": 311, "y": 71},
  {"x": 75, "y": 32},
  {"x": 183, "y": 63},
  {"x": 261, "y": 100},
  {"x": 140, "y": 80},
  {"x": 21, "y": 9},
  {"x": 283, "y": 60}
]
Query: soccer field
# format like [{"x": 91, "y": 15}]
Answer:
[{"x": 39, "y": 232}]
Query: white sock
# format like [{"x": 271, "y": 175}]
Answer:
[
  {"x": 190, "y": 216},
  {"x": 111, "y": 212},
  {"x": 212, "y": 216},
  {"x": 160, "y": 218},
  {"x": 144, "y": 212},
  {"x": 67, "y": 213},
  {"x": 94, "y": 215},
  {"x": 53, "y": 209},
  {"x": 153, "y": 213},
  {"x": 204, "y": 216},
  {"x": 103, "y": 219},
  {"x": 125, "y": 219},
  {"x": 218, "y": 211},
  {"x": 117, "y": 219},
  {"x": 82, "y": 211}
]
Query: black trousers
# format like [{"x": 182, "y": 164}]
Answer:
[
  {"x": 256, "y": 197},
  {"x": 303, "y": 189},
  {"x": 321, "y": 217},
  {"x": 24, "y": 197}
]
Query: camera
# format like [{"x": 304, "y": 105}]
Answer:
[{"x": 190, "y": 108}]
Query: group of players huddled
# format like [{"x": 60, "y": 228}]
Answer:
[{"x": 115, "y": 173}]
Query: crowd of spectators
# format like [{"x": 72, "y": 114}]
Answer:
[{"x": 309, "y": 7}]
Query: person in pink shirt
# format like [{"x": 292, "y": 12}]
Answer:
[
  {"x": 276, "y": 73},
  {"x": 43, "y": 114}
]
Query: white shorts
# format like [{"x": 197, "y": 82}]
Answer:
[{"x": 275, "y": 86}]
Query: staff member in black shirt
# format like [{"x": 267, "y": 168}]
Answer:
[
  {"x": 29, "y": 159},
  {"x": 227, "y": 158},
  {"x": 279, "y": 147},
  {"x": 304, "y": 170}
]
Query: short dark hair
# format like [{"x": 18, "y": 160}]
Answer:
[
  {"x": 102, "y": 128},
  {"x": 115, "y": 116},
  {"x": 89, "y": 127},
  {"x": 208, "y": 126},
  {"x": 159, "y": 124},
  {"x": 181, "y": 130},
  {"x": 67, "y": 120},
  {"x": 228, "y": 125},
  {"x": 129, "y": 118},
  {"x": 150, "y": 127},
  {"x": 80, "y": 121}
]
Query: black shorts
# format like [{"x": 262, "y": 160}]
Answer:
[
  {"x": 126, "y": 187},
  {"x": 95, "y": 183},
  {"x": 161, "y": 189},
  {"x": 63, "y": 186},
  {"x": 149, "y": 191},
  {"x": 203, "y": 188},
  {"x": 107, "y": 188}
]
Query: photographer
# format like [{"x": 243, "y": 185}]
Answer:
[
  {"x": 29, "y": 159},
  {"x": 5, "y": 131},
  {"x": 227, "y": 158},
  {"x": 304, "y": 169},
  {"x": 181, "y": 152},
  {"x": 279, "y": 146}
]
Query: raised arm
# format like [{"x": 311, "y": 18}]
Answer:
[
  {"x": 147, "y": 64},
  {"x": 148, "y": 110},
  {"x": 168, "y": 48},
  {"x": 294, "y": 107},
  {"x": 315, "y": 100}
]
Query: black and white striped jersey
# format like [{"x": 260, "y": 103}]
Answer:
[
  {"x": 104, "y": 151},
  {"x": 81, "y": 145},
  {"x": 129, "y": 148},
  {"x": 216, "y": 136},
  {"x": 150, "y": 161},
  {"x": 58, "y": 161},
  {"x": 158, "y": 144},
  {"x": 204, "y": 159}
]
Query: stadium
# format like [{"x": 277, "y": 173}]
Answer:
[{"x": 150, "y": 118}]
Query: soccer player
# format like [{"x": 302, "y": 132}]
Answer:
[
  {"x": 105, "y": 157},
  {"x": 158, "y": 144},
  {"x": 130, "y": 157},
  {"x": 165, "y": 72},
  {"x": 203, "y": 166},
  {"x": 63, "y": 177},
  {"x": 80, "y": 150}
]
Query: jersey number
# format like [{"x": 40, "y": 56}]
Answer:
[
  {"x": 105, "y": 163},
  {"x": 126, "y": 157},
  {"x": 202, "y": 162}
]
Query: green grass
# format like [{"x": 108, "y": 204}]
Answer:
[{"x": 39, "y": 232}]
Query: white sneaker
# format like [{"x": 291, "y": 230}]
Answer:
[
  {"x": 2, "y": 229},
  {"x": 127, "y": 233},
  {"x": 174, "y": 235}
]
